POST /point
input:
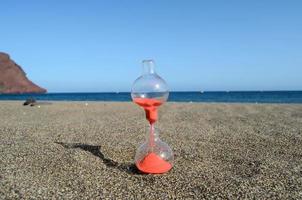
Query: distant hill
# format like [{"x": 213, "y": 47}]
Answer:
[{"x": 13, "y": 79}]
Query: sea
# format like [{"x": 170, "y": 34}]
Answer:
[{"x": 207, "y": 96}]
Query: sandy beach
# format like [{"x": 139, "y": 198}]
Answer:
[{"x": 74, "y": 150}]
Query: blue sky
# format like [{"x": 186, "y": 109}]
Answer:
[{"x": 97, "y": 46}]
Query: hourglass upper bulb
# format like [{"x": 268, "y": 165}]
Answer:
[{"x": 150, "y": 85}]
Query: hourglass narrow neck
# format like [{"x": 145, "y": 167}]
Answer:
[
  {"x": 148, "y": 67},
  {"x": 152, "y": 137},
  {"x": 153, "y": 130}
]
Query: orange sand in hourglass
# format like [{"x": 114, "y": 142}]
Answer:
[
  {"x": 150, "y": 106},
  {"x": 151, "y": 163}
]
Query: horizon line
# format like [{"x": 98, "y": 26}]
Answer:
[{"x": 179, "y": 91}]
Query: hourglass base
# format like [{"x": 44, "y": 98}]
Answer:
[{"x": 154, "y": 160}]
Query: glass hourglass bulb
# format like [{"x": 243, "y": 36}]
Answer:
[{"x": 150, "y": 91}]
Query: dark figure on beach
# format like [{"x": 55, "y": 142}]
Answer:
[{"x": 30, "y": 101}]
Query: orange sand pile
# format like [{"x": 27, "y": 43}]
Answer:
[{"x": 153, "y": 164}]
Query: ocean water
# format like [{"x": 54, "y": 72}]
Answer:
[{"x": 226, "y": 97}]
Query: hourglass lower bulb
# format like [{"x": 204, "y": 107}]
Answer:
[
  {"x": 150, "y": 91},
  {"x": 154, "y": 156}
]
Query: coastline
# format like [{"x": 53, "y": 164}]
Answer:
[
  {"x": 226, "y": 150},
  {"x": 286, "y": 97}
]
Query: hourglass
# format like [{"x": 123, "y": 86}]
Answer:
[{"x": 150, "y": 91}]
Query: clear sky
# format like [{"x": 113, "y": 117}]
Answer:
[{"x": 97, "y": 46}]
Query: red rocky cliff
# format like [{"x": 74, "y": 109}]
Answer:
[{"x": 13, "y": 79}]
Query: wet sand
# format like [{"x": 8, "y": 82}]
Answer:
[{"x": 69, "y": 150}]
